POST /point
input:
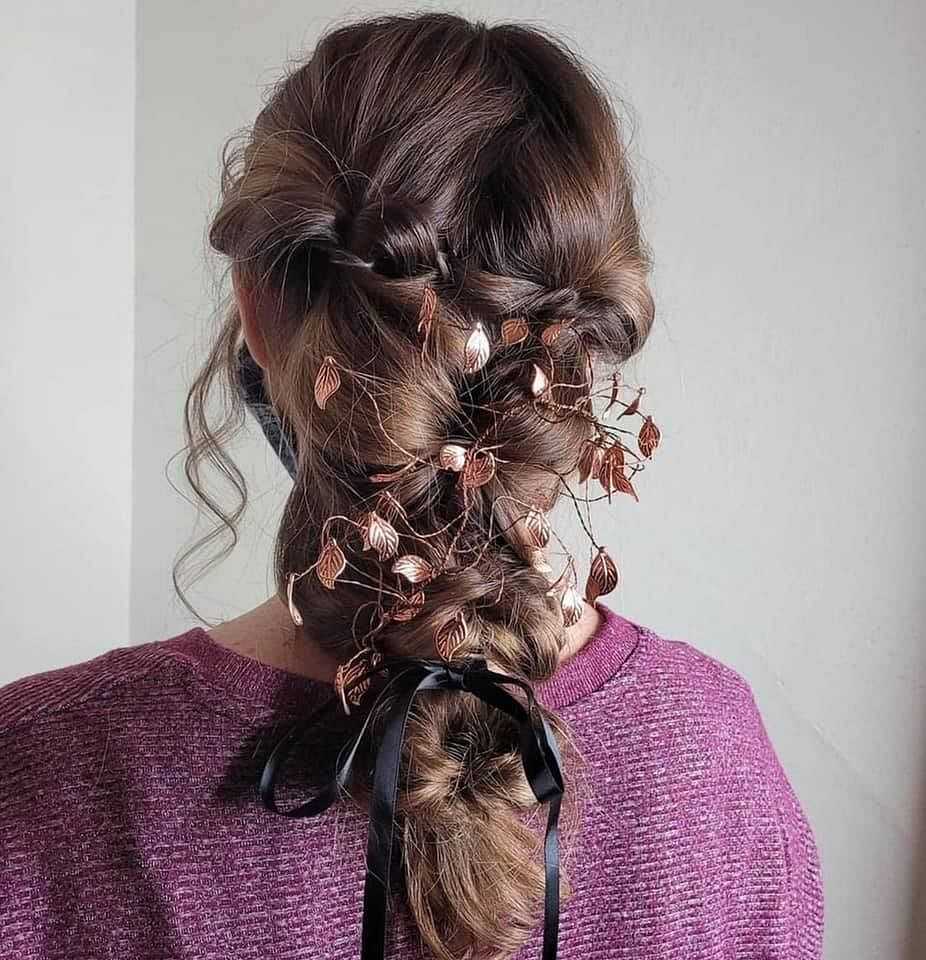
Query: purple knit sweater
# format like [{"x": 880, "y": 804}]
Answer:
[{"x": 130, "y": 826}]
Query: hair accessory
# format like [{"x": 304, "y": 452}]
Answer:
[
  {"x": 603, "y": 576},
  {"x": 514, "y": 331},
  {"x": 327, "y": 382},
  {"x": 453, "y": 457},
  {"x": 409, "y": 677},
  {"x": 451, "y": 636},
  {"x": 571, "y": 605},
  {"x": 604, "y": 457},
  {"x": 293, "y": 609},
  {"x": 540, "y": 382},
  {"x": 477, "y": 350}
]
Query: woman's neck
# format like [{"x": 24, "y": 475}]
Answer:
[{"x": 267, "y": 634}]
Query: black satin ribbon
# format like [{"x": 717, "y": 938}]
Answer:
[{"x": 408, "y": 678}]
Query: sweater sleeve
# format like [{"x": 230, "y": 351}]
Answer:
[
  {"x": 804, "y": 891},
  {"x": 799, "y": 900}
]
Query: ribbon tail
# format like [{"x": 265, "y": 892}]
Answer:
[
  {"x": 551, "y": 881},
  {"x": 382, "y": 850}
]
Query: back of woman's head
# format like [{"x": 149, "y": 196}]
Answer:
[{"x": 436, "y": 224}]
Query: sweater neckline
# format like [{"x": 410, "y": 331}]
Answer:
[{"x": 262, "y": 685}]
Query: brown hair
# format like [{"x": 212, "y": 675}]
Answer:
[{"x": 437, "y": 221}]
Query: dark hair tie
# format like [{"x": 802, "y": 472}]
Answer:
[
  {"x": 539, "y": 755},
  {"x": 250, "y": 386}
]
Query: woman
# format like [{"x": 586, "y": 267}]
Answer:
[{"x": 437, "y": 272}]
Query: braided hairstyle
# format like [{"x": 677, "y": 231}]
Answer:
[{"x": 437, "y": 221}]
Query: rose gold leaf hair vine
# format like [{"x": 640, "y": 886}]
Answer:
[
  {"x": 477, "y": 349},
  {"x": 538, "y": 527},
  {"x": 602, "y": 577},
  {"x": 388, "y": 476},
  {"x": 514, "y": 331},
  {"x": 571, "y": 604},
  {"x": 452, "y": 457},
  {"x": 413, "y": 568},
  {"x": 611, "y": 472},
  {"x": 479, "y": 469},
  {"x": 327, "y": 382},
  {"x": 347, "y": 675},
  {"x": 615, "y": 389},
  {"x": 380, "y": 535},
  {"x": 409, "y": 609},
  {"x": 649, "y": 438},
  {"x": 613, "y": 480},
  {"x": 330, "y": 564},
  {"x": 540, "y": 382},
  {"x": 293, "y": 609},
  {"x": 590, "y": 461},
  {"x": 451, "y": 636},
  {"x": 634, "y": 404},
  {"x": 552, "y": 331}
]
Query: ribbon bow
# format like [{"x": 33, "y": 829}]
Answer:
[{"x": 411, "y": 676}]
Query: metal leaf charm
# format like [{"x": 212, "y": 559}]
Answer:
[
  {"x": 452, "y": 457},
  {"x": 426, "y": 311},
  {"x": 388, "y": 476},
  {"x": 538, "y": 527},
  {"x": 451, "y": 636},
  {"x": 634, "y": 404},
  {"x": 380, "y": 535},
  {"x": 331, "y": 563},
  {"x": 540, "y": 382},
  {"x": 514, "y": 331},
  {"x": 551, "y": 333},
  {"x": 327, "y": 382},
  {"x": 347, "y": 675},
  {"x": 649, "y": 437},
  {"x": 479, "y": 469},
  {"x": 615, "y": 389},
  {"x": 415, "y": 569},
  {"x": 611, "y": 472},
  {"x": 571, "y": 605},
  {"x": 293, "y": 609},
  {"x": 477, "y": 350},
  {"x": 590, "y": 460},
  {"x": 611, "y": 475},
  {"x": 623, "y": 485},
  {"x": 602, "y": 577},
  {"x": 409, "y": 609}
]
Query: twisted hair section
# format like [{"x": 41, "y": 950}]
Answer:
[{"x": 436, "y": 219}]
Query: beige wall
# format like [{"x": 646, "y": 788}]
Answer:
[{"x": 67, "y": 98}]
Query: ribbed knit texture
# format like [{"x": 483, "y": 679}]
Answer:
[{"x": 130, "y": 827}]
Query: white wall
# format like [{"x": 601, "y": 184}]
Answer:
[
  {"x": 67, "y": 97},
  {"x": 781, "y": 149},
  {"x": 780, "y": 146}
]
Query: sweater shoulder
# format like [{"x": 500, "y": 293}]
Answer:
[
  {"x": 51, "y": 692},
  {"x": 677, "y": 669},
  {"x": 680, "y": 701}
]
